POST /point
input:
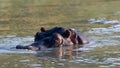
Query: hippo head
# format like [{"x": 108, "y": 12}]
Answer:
[
  {"x": 55, "y": 40},
  {"x": 58, "y": 40}
]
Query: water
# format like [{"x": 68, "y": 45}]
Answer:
[{"x": 102, "y": 52}]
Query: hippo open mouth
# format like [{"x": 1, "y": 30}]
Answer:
[{"x": 56, "y": 37}]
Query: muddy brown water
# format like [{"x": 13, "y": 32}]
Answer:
[{"x": 102, "y": 52}]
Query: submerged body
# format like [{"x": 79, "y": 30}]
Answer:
[{"x": 56, "y": 37}]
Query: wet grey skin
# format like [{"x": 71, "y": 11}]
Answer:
[{"x": 55, "y": 37}]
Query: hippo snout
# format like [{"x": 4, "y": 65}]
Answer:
[{"x": 20, "y": 47}]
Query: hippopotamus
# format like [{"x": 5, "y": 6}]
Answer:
[
  {"x": 76, "y": 37},
  {"x": 56, "y": 37}
]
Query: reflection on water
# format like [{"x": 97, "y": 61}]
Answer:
[
  {"x": 60, "y": 52},
  {"x": 13, "y": 40},
  {"x": 8, "y": 44},
  {"x": 115, "y": 26},
  {"x": 103, "y": 21}
]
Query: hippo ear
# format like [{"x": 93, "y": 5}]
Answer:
[
  {"x": 42, "y": 29},
  {"x": 67, "y": 33}
]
